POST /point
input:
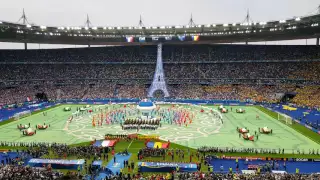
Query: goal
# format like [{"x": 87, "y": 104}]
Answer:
[
  {"x": 22, "y": 114},
  {"x": 284, "y": 118}
]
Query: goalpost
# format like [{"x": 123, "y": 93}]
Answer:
[
  {"x": 285, "y": 118},
  {"x": 22, "y": 114}
]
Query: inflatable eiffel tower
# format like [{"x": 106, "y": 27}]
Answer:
[{"x": 158, "y": 82}]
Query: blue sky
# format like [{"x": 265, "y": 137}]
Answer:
[{"x": 164, "y": 12}]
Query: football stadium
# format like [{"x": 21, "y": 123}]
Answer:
[{"x": 193, "y": 101}]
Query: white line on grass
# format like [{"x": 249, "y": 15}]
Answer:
[{"x": 130, "y": 144}]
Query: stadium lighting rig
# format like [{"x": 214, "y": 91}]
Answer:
[
  {"x": 23, "y": 18},
  {"x": 191, "y": 22},
  {"x": 151, "y": 33},
  {"x": 140, "y": 24}
]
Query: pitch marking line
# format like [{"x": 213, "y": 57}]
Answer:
[{"x": 130, "y": 144}]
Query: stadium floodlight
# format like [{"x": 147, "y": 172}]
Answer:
[
  {"x": 298, "y": 19},
  {"x": 94, "y": 28},
  {"x": 177, "y": 26},
  {"x": 162, "y": 27},
  {"x": 187, "y": 26},
  {"x": 50, "y": 33},
  {"x": 110, "y": 27},
  {"x": 199, "y": 26},
  {"x": 225, "y": 25},
  {"x": 208, "y": 25},
  {"x": 234, "y": 24},
  {"x": 86, "y": 28},
  {"x": 282, "y": 21},
  {"x": 0, "y": 22},
  {"x": 119, "y": 27},
  {"x": 28, "y": 25},
  {"x": 43, "y": 27},
  {"x": 262, "y": 23}
]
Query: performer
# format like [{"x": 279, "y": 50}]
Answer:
[{"x": 93, "y": 122}]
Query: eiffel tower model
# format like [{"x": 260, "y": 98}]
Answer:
[{"x": 159, "y": 82}]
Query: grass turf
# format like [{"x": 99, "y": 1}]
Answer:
[
  {"x": 203, "y": 131},
  {"x": 296, "y": 126},
  {"x": 283, "y": 137}
]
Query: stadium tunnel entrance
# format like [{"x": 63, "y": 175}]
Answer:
[
  {"x": 41, "y": 96},
  {"x": 288, "y": 96}
]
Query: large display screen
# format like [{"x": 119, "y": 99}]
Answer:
[{"x": 179, "y": 38}]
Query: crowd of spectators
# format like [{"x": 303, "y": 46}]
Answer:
[
  {"x": 64, "y": 151},
  {"x": 171, "y": 53},
  {"x": 151, "y": 152},
  {"x": 230, "y": 176},
  {"x": 63, "y": 74},
  {"x": 196, "y": 71},
  {"x": 14, "y": 172},
  {"x": 207, "y": 150},
  {"x": 305, "y": 96},
  {"x": 308, "y": 96},
  {"x": 213, "y": 176}
]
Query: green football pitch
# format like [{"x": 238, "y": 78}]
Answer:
[{"x": 205, "y": 130}]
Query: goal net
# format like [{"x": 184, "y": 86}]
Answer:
[
  {"x": 22, "y": 114},
  {"x": 284, "y": 118}
]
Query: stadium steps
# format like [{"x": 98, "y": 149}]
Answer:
[
  {"x": 116, "y": 91},
  {"x": 85, "y": 92}
]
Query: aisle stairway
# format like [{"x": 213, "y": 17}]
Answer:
[{"x": 113, "y": 167}]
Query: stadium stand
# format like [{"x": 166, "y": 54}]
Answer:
[{"x": 24, "y": 74}]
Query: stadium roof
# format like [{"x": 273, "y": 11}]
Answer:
[{"x": 289, "y": 29}]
